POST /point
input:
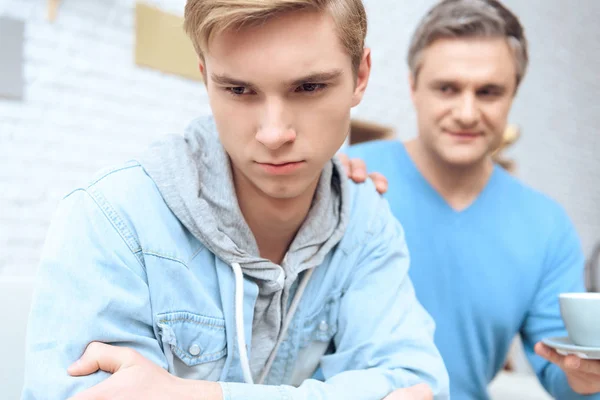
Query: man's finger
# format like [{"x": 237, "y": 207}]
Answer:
[
  {"x": 591, "y": 367},
  {"x": 100, "y": 356},
  {"x": 549, "y": 354},
  {"x": 380, "y": 181},
  {"x": 358, "y": 170},
  {"x": 570, "y": 362},
  {"x": 345, "y": 163}
]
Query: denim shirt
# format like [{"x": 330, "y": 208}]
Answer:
[{"x": 119, "y": 268}]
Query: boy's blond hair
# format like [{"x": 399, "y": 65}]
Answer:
[{"x": 204, "y": 18}]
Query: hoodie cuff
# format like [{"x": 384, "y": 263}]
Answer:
[{"x": 238, "y": 391}]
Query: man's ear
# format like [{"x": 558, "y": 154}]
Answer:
[
  {"x": 412, "y": 85},
  {"x": 362, "y": 77}
]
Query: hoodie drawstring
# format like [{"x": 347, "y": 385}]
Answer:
[{"x": 239, "y": 322}]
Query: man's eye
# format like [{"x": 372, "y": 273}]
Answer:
[
  {"x": 489, "y": 93},
  {"x": 446, "y": 89},
  {"x": 310, "y": 87}
]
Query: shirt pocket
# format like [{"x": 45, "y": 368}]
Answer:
[
  {"x": 316, "y": 333},
  {"x": 321, "y": 325},
  {"x": 195, "y": 345}
]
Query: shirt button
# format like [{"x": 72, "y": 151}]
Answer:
[
  {"x": 323, "y": 326},
  {"x": 194, "y": 350}
]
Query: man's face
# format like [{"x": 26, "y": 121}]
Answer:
[
  {"x": 462, "y": 95},
  {"x": 281, "y": 95}
]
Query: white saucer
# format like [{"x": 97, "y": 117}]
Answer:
[{"x": 564, "y": 346}]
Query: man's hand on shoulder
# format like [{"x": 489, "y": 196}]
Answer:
[
  {"x": 135, "y": 377},
  {"x": 357, "y": 171}
]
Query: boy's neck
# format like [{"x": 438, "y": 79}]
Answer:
[
  {"x": 273, "y": 222},
  {"x": 458, "y": 186}
]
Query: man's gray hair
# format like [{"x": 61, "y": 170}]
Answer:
[{"x": 469, "y": 19}]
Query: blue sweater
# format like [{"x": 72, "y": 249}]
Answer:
[{"x": 486, "y": 273}]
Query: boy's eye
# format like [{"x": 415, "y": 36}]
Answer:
[
  {"x": 310, "y": 87},
  {"x": 238, "y": 90}
]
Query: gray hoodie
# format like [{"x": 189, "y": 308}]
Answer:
[{"x": 193, "y": 174}]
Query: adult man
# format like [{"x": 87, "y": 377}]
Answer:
[
  {"x": 238, "y": 253},
  {"x": 489, "y": 255}
]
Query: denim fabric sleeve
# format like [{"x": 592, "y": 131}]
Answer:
[
  {"x": 91, "y": 286},
  {"x": 385, "y": 337},
  {"x": 564, "y": 266}
]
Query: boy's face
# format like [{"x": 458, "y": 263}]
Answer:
[
  {"x": 462, "y": 95},
  {"x": 281, "y": 94}
]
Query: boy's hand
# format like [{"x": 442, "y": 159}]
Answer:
[
  {"x": 135, "y": 377},
  {"x": 418, "y": 392}
]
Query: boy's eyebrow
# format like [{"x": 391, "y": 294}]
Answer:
[
  {"x": 315, "y": 77},
  {"x": 226, "y": 80}
]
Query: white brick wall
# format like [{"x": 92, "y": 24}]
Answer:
[{"x": 87, "y": 106}]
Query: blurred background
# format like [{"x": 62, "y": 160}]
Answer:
[{"x": 78, "y": 93}]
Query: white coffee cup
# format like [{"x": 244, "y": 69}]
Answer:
[{"x": 581, "y": 315}]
